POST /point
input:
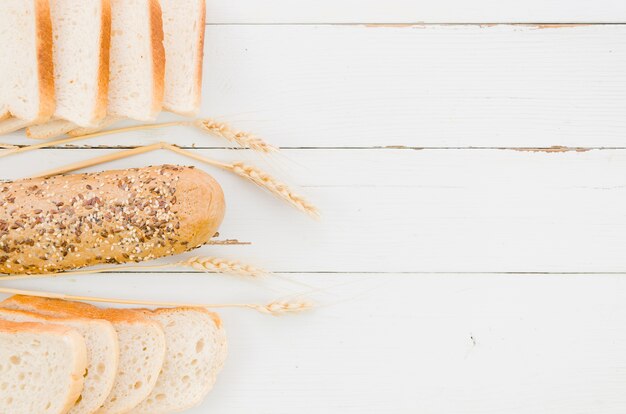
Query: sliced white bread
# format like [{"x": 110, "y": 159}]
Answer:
[
  {"x": 196, "y": 350},
  {"x": 27, "y": 70},
  {"x": 183, "y": 28},
  {"x": 41, "y": 368},
  {"x": 137, "y": 60},
  {"x": 82, "y": 33},
  {"x": 12, "y": 124},
  {"x": 106, "y": 122},
  {"x": 102, "y": 354},
  {"x": 141, "y": 341},
  {"x": 81, "y": 43},
  {"x": 50, "y": 129},
  {"x": 57, "y": 128}
]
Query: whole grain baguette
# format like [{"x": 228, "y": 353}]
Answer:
[{"x": 68, "y": 222}]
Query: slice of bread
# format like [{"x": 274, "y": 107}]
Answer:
[
  {"x": 82, "y": 33},
  {"x": 41, "y": 368},
  {"x": 27, "y": 70},
  {"x": 142, "y": 346},
  {"x": 102, "y": 354},
  {"x": 12, "y": 124},
  {"x": 137, "y": 60},
  {"x": 50, "y": 129},
  {"x": 183, "y": 28},
  {"x": 196, "y": 350}
]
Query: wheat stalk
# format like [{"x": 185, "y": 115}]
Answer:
[
  {"x": 251, "y": 173},
  {"x": 204, "y": 264},
  {"x": 264, "y": 180},
  {"x": 245, "y": 139},
  {"x": 276, "y": 308}
]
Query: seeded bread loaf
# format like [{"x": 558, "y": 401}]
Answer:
[{"x": 68, "y": 222}]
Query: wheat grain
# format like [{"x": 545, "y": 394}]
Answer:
[
  {"x": 264, "y": 180},
  {"x": 218, "y": 265},
  {"x": 245, "y": 139},
  {"x": 279, "y": 308}
]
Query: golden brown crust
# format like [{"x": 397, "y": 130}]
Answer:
[
  {"x": 68, "y": 222},
  {"x": 103, "y": 76},
  {"x": 45, "y": 61},
  {"x": 66, "y": 308},
  {"x": 158, "y": 55},
  {"x": 198, "y": 96},
  {"x": 35, "y": 327}
]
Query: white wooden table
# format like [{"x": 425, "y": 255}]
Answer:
[{"x": 470, "y": 165}]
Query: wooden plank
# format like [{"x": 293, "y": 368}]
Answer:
[
  {"x": 435, "y": 86},
  {"x": 411, "y": 11},
  {"x": 428, "y": 343},
  {"x": 416, "y": 211}
]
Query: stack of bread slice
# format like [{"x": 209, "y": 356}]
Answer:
[
  {"x": 80, "y": 65},
  {"x": 69, "y": 357}
]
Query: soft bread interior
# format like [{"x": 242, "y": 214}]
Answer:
[
  {"x": 79, "y": 29},
  {"x": 102, "y": 354},
  {"x": 183, "y": 27},
  {"x": 135, "y": 80},
  {"x": 26, "y": 71},
  {"x": 41, "y": 368},
  {"x": 196, "y": 350}
]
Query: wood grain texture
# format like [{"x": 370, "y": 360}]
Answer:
[
  {"x": 390, "y": 335},
  {"x": 434, "y": 86},
  {"x": 412, "y": 11},
  {"x": 416, "y": 211},
  {"x": 405, "y": 343}
]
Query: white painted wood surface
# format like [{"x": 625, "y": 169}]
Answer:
[
  {"x": 433, "y": 86},
  {"x": 415, "y": 11},
  {"x": 468, "y": 277}
]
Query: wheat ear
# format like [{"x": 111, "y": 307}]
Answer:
[
  {"x": 264, "y": 180},
  {"x": 257, "y": 176},
  {"x": 244, "y": 139},
  {"x": 217, "y": 265},
  {"x": 251, "y": 173},
  {"x": 276, "y": 308}
]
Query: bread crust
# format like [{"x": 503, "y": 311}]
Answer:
[
  {"x": 69, "y": 309},
  {"x": 45, "y": 67},
  {"x": 158, "y": 56},
  {"x": 199, "y": 72},
  {"x": 102, "y": 96},
  {"x": 70, "y": 336},
  {"x": 68, "y": 222}
]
